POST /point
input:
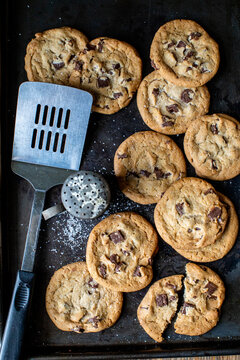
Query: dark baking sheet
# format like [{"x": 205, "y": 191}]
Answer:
[{"x": 63, "y": 239}]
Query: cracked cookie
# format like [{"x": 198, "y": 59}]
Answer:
[
  {"x": 223, "y": 244},
  {"x": 203, "y": 298},
  {"x": 170, "y": 108},
  {"x": 146, "y": 164},
  {"x": 190, "y": 215},
  {"x": 159, "y": 306},
  {"x": 212, "y": 146},
  {"x": 51, "y": 56},
  {"x": 111, "y": 71},
  {"x": 185, "y": 53},
  {"x": 76, "y": 302},
  {"x": 120, "y": 250}
]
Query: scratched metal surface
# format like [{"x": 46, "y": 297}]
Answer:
[{"x": 63, "y": 239}]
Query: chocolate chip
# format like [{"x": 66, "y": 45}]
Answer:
[
  {"x": 71, "y": 57},
  {"x": 195, "y": 35},
  {"x": 214, "y": 129},
  {"x": 78, "y": 65},
  {"x": 172, "y": 108},
  {"x": 118, "y": 267},
  {"x": 78, "y": 329},
  {"x": 94, "y": 321},
  {"x": 215, "y": 213},
  {"x": 103, "y": 81},
  {"x": 155, "y": 92},
  {"x": 189, "y": 68},
  {"x": 197, "y": 228},
  {"x": 181, "y": 44},
  {"x": 160, "y": 174},
  {"x": 102, "y": 270},
  {"x": 137, "y": 271},
  {"x": 116, "y": 66},
  {"x": 212, "y": 297},
  {"x": 185, "y": 95},
  {"x": 114, "y": 258},
  {"x": 179, "y": 208},
  {"x": 211, "y": 288},
  {"x": 185, "y": 306},
  {"x": 162, "y": 300},
  {"x": 209, "y": 191},
  {"x": 106, "y": 107},
  {"x": 203, "y": 70},
  {"x": 188, "y": 54},
  {"x": 171, "y": 44},
  {"x": 154, "y": 65},
  {"x": 58, "y": 65},
  {"x": 214, "y": 165},
  {"x": 129, "y": 79},
  {"x": 122, "y": 156},
  {"x": 92, "y": 283},
  {"x": 117, "y": 95},
  {"x": 145, "y": 173},
  {"x": 171, "y": 286},
  {"x": 116, "y": 237},
  {"x": 195, "y": 65},
  {"x": 90, "y": 47},
  {"x": 132, "y": 173},
  {"x": 167, "y": 121},
  {"x": 100, "y": 45},
  {"x": 172, "y": 298},
  {"x": 150, "y": 261},
  {"x": 189, "y": 231}
]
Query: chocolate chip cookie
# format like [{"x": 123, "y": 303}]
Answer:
[
  {"x": 190, "y": 215},
  {"x": 212, "y": 146},
  {"x": 120, "y": 250},
  {"x": 185, "y": 53},
  {"x": 170, "y": 108},
  {"x": 51, "y": 56},
  {"x": 203, "y": 298},
  {"x": 223, "y": 244},
  {"x": 159, "y": 306},
  {"x": 76, "y": 302},
  {"x": 111, "y": 71},
  {"x": 146, "y": 164}
]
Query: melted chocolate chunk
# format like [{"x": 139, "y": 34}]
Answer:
[
  {"x": 94, "y": 321},
  {"x": 116, "y": 237},
  {"x": 100, "y": 45},
  {"x": 214, "y": 165},
  {"x": 154, "y": 65},
  {"x": 90, "y": 47},
  {"x": 203, "y": 70},
  {"x": 92, "y": 283},
  {"x": 122, "y": 156},
  {"x": 188, "y": 54},
  {"x": 189, "y": 231},
  {"x": 185, "y": 306},
  {"x": 181, "y": 44},
  {"x": 114, "y": 258},
  {"x": 137, "y": 272},
  {"x": 160, "y": 174},
  {"x": 162, "y": 300},
  {"x": 103, "y": 82},
  {"x": 172, "y": 108},
  {"x": 211, "y": 288},
  {"x": 117, "y": 95},
  {"x": 172, "y": 286},
  {"x": 215, "y": 213},
  {"x": 189, "y": 68},
  {"x": 195, "y": 35},
  {"x": 167, "y": 122},
  {"x": 155, "y": 92},
  {"x": 118, "y": 267},
  {"x": 171, "y": 44},
  {"x": 58, "y": 65},
  {"x": 209, "y": 191},
  {"x": 185, "y": 95},
  {"x": 179, "y": 208},
  {"x": 102, "y": 270},
  {"x": 145, "y": 173},
  {"x": 116, "y": 66},
  {"x": 78, "y": 65},
  {"x": 197, "y": 228},
  {"x": 129, "y": 79},
  {"x": 214, "y": 129},
  {"x": 78, "y": 329},
  {"x": 195, "y": 65}
]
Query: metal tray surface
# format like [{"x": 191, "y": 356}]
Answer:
[{"x": 63, "y": 238}]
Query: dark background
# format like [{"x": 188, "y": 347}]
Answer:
[{"x": 63, "y": 239}]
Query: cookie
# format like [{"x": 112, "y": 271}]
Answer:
[
  {"x": 146, "y": 164},
  {"x": 223, "y": 244},
  {"x": 120, "y": 250},
  {"x": 170, "y": 108},
  {"x": 212, "y": 146},
  {"x": 185, "y": 53},
  {"x": 190, "y": 215},
  {"x": 203, "y": 298},
  {"x": 51, "y": 56},
  {"x": 75, "y": 302},
  {"x": 159, "y": 306},
  {"x": 111, "y": 71}
]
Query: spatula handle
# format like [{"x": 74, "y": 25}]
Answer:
[{"x": 17, "y": 316}]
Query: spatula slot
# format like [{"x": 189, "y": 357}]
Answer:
[
  {"x": 38, "y": 109},
  {"x": 45, "y": 112},
  {"x": 48, "y": 140},
  {"x": 51, "y": 122},
  {"x": 63, "y": 143},
  {"x": 60, "y": 113},
  {"x": 40, "y": 145},
  {"x": 55, "y": 145},
  {"x": 67, "y": 119},
  {"x": 34, "y": 136}
]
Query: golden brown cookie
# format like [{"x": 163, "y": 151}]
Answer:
[
  {"x": 76, "y": 302},
  {"x": 146, "y": 164},
  {"x": 203, "y": 298},
  {"x": 212, "y": 146},
  {"x": 111, "y": 71},
  {"x": 185, "y": 53},
  {"x": 170, "y": 108},
  {"x": 120, "y": 250},
  {"x": 190, "y": 215},
  {"x": 51, "y": 55},
  {"x": 223, "y": 244},
  {"x": 159, "y": 306}
]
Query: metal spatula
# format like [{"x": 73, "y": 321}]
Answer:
[{"x": 50, "y": 130}]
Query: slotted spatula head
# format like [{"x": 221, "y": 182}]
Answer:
[{"x": 50, "y": 130}]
